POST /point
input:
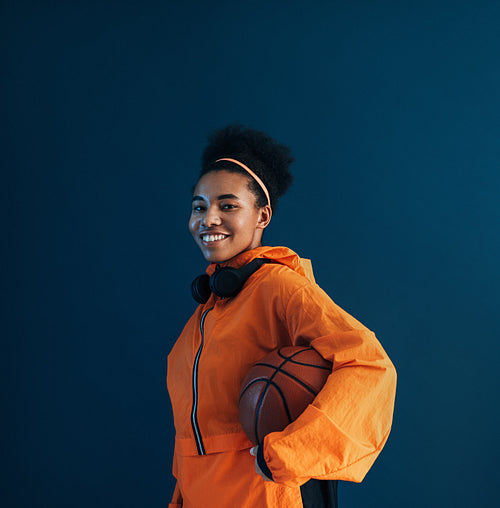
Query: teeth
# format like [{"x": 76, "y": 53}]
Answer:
[{"x": 212, "y": 238}]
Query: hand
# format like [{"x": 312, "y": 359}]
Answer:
[{"x": 258, "y": 470}]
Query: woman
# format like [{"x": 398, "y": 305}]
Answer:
[{"x": 269, "y": 304}]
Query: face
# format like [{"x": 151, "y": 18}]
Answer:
[{"x": 224, "y": 218}]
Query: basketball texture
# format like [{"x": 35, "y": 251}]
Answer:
[{"x": 278, "y": 388}]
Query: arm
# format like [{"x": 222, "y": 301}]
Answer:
[{"x": 342, "y": 432}]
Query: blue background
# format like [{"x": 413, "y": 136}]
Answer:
[{"x": 392, "y": 110}]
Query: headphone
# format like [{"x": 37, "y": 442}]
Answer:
[{"x": 224, "y": 282}]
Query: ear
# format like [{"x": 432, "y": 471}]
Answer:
[{"x": 265, "y": 214}]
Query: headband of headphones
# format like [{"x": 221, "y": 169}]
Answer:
[{"x": 224, "y": 282}]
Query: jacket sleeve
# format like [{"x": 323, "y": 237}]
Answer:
[
  {"x": 177, "y": 496},
  {"x": 339, "y": 435}
]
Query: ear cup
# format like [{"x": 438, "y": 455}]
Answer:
[
  {"x": 200, "y": 288},
  {"x": 224, "y": 282},
  {"x": 227, "y": 281}
]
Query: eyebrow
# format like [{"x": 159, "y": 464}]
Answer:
[{"x": 222, "y": 196}]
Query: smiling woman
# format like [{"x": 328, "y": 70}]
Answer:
[{"x": 254, "y": 299}]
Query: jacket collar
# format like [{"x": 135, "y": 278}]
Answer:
[{"x": 280, "y": 255}]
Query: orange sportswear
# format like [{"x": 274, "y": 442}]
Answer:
[{"x": 339, "y": 435}]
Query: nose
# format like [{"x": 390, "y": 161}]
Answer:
[{"x": 212, "y": 217}]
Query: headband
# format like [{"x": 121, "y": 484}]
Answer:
[{"x": 253, "y": 175}]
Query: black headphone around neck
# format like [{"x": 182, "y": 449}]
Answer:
[{"x": 224, "y": 282}]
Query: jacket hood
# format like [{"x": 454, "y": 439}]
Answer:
[{"x": 281, "y": 255}]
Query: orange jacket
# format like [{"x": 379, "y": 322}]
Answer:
[{"x": 337, "y": 437}]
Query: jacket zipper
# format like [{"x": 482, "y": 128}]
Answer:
[{"x": 194, "y": 417}]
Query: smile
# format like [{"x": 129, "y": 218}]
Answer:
[{"x": 213, "y": 238}]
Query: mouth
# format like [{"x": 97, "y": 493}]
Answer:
[{"x": 211, "y": 239}]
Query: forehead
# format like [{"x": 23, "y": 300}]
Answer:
[{"x": 216, "y": 183}]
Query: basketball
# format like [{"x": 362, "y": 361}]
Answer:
[{"x": 278, "y": 388}]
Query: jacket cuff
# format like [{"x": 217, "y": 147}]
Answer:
[{"x": 262, "y": 461}]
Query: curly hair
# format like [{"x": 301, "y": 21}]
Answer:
[{"x": 267, "y": 158}]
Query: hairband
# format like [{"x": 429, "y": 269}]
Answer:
[{"x": 252, "y": 174}]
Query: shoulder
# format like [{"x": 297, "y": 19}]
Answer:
[
  {"x": 297, "y": 292},
  {"x": 278, "y": 278}
]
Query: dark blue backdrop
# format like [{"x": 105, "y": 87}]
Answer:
[{"x": 393, "y": 112}]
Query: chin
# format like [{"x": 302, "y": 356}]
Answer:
[
  {"x": 215, "y": 257},
  {"x": 220, "y": 255}
]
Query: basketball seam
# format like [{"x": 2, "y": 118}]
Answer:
[
  {"x": 261, "y": 399},
  {"x": 296, "y": 362},
  {"x": 278, "y": 369}
]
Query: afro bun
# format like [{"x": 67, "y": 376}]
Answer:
[{"x": 266, "y": 157}]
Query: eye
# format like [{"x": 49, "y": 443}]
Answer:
[
  {"x": 228, "y": 206},
  {"x": 198, "y": 208}
]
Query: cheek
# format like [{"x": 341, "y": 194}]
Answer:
[
  {"x": 245, "y": 228},
  {"x": 192, "y": 225}
]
